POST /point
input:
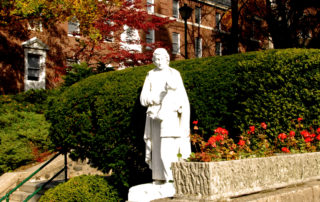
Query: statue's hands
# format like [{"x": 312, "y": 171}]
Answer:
[{"x": 157, "y": 99}]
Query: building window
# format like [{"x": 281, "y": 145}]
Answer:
[
  {"x": 150, "y": 37},
  {"x": 35, "y": 25},
  {"x": 35, "y": 52},
  {"x": 198, "y": 47},
  {"x": 198, "y": 15},
  {"x": 175, "y": 8},
  {"x": 33, "y": 67},
  {"x": 73, "y": 26},
  {"x": 175, "y": 43},
  {"x": 218, "y": 21},
  {"x": 150, "y": 6},
  {"x": 218, "y": 48}
]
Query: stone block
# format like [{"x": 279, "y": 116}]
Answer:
[{"x": 225, "y": 179}]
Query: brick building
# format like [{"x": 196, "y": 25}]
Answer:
[
  {"x": 30, "y": 53},
  {"x": 204, "y": 27}
]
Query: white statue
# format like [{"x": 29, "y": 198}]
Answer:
[{"x": 167, "y": 126}]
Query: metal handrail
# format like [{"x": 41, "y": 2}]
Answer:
[{"x": 35, "y": 172}]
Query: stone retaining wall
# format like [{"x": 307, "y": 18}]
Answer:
[{"x": 225, "y": 179}]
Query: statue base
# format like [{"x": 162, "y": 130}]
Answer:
[{"x": 150, "y": 191}]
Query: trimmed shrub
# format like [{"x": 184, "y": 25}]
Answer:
[
  {"x": 278, "y": 86},
  {"x": 82, "y": 188},
  {"x": 21, "y": 135},
  {"x": 101, "y": 117},
  {"x": 23, "y": 129}
]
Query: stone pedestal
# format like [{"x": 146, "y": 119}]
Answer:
[{"x": 150, "y": 191}]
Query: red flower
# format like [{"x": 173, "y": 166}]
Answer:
[
  {"x": 224, "y": 132},
  {"x": 292, "y": 134},
  {"x": 251, "y": 130},
  {"x": 241, "y": 142},
  {"x": 282, "y": 136},
  {"x": 219, "y": 138},
  {"x": 313, "y": 135},
  {"x": 264, "y": 125},
  {"x": 318, "y": 130},
  {"x": 285, "y": 149},
  {"x": 212, "y": 141},
  {"x": 221, "y": 131},
  {"x": 318, "y": 137},
  {"x": 300, "y": 119},
  {"x": 195, "y": 122},
  {"x": 308, "y": 139},
  {"x": 305, "y": 133}
]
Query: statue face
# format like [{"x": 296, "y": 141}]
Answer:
[{"x": 160, "y": 61}]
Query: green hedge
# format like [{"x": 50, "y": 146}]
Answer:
[
  {"x": 101, "y": 117},
  {"x": 82, "y": 188},
  {"x": 278, "y": 86},
  {"x": 23, "y": 129}
]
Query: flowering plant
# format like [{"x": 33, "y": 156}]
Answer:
[{"x": 255, "y": 142}]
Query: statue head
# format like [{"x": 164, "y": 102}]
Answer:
[{"x": 161, "y": 58}]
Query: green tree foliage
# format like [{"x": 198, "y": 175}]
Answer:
[
  {"x": 101, "y": 117},
  {"x": 82, "y": 188}
]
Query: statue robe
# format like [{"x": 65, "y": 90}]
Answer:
[{"x": 167, "y": 126}]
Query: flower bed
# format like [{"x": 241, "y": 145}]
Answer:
[
  {"x": 225, "y": 179},
  {"x": 222, "y": 167},
  {"x": 257, "y": 141}
]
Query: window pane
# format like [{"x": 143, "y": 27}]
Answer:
[
  {"x": 218, "y": 23},
  {"x": 218, "y": 49},
  {"x": 33, "y": 67},
  {"x": 198, "y": 15},
  {"x": 34, "y": 61},
  {"x": 198, "y": 47},
  {"x": 175, "y": 43},
  {"x": 73, "y": 26},
  {"x": 150, "y": 36},
  {"x": 175, "y": 8},
  {"x": 150, "y": 5}
]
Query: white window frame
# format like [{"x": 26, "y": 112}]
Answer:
[
  {"x": 150, "y": 37},
  {"x": 150, "y": 6},
  {"x": 218, "y": 21},
  {"x": 35, "y": 25},
  {"x": 198, "y": 47},
  {"x": 218, "y": 48},
  {"x": 198, "y": 14},
  {"x": 75, "y": 22},
  {"x": 175, "y": 8},
  {"x": 175, "y": 43},
  {"x": 35, "y": 47}
]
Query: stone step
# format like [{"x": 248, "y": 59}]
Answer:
[
  {"x": 29, "y": 187},
  {"x": 20, "y": 196}
]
